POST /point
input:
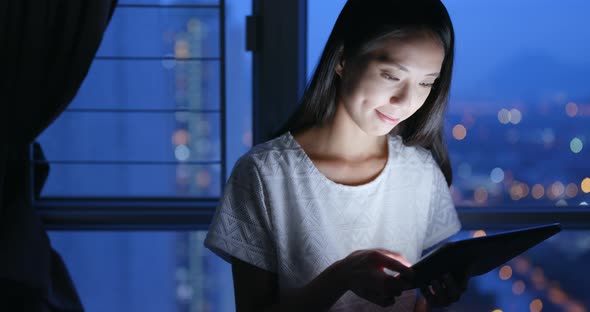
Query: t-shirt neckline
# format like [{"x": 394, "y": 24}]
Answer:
[{"x": 370, "y": 184}]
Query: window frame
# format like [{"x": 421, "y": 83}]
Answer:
[{"x": 271, "y": 59}]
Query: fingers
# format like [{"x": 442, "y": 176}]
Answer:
[
  {"x": 453, "y": 291},
  {"x": 443, "y": 292},
  {"x": 373, "y": 275},
  {"x": 395, "y": 256},
  {"x": 395, "y": 262},
  {"x": 439, "y": 290},
  {"x": 434, "y": 299},
  {"x": 428, "y": 295}
]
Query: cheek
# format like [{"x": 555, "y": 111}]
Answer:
[
  {"x": 368, "y": 95},
  {"x": 378, "y": 93}
]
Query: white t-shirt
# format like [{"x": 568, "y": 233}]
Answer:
[{"x": 279, "y": 213}]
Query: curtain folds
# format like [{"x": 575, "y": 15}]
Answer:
[{"x": 46, "y": 50}]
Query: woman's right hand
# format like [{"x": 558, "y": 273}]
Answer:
[{"x": 363, "y": 271}]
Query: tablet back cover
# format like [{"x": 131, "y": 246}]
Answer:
[{"x": 479, "y": 255}]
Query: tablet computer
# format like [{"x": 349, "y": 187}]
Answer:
[{"x": 478, "y": 255}]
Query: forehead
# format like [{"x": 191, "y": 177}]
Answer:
[{"x": 420, "y": 51}]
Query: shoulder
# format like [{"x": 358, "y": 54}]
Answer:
[
  {"x": 412, "y": 154},
  {"x": 268, "y": 155},
  {"x": 278, "y": 144}
]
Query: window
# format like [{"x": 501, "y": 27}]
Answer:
[
  {"x": 146, "y": 145},
  {"x": 148, "y": 120},
  {"x": 518, "y": 113},
  {"x": 518, "y": 136},
  {"x": 515, "y": 127},
  {"x": 149, "y": 123},
  {"x": 518, "y": 99}
]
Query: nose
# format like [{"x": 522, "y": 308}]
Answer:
[{"x": 401, "y": 96}]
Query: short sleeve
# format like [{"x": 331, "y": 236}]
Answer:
[
  {"x": 443, "y": 221},
  {"x": 241, "y": 224}
]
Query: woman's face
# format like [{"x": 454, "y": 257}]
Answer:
[{"x": 391, "y": 83}]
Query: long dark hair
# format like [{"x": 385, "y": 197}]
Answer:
[{"x": 361, "y": 26}]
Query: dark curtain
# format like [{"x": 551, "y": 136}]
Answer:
[{"x": 46, "y": 47}]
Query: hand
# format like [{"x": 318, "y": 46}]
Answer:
[
  {"x": 365, "y": 275},
  {"x": 446, "y": 290}
]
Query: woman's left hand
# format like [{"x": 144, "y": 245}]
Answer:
[{"x": 446, "y": 290}]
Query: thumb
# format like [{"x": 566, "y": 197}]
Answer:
[
  {"x": 396, "y": 263},
  {"x": 396, "y": 256}
]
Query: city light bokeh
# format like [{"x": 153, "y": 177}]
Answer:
[{"x": 517, "y": 131}]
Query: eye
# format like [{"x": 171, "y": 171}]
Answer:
[
  {"x": 389, "y": 77},
  {"x": 427, "y": 84}
]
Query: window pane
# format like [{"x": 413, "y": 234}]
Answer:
[
  {"x": 522, "y": 101},
  {"x": 155, "y": 119},
  {"x": 517, "y": 124},
  {"x": 145, "y": 271},
  {"x": 147, "y": 136},
  {"x": 133, "y": 180},
  {"x": 159, "y": 32},
  {"x": 151, "y": 84},
  {"x": 321, "y": 16},
  {"x": 551, "y": 275}
]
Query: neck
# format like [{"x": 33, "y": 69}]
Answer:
[{"x": 343, "y": 139}]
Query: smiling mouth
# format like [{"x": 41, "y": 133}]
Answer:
[{"x": 387, "y": 119}]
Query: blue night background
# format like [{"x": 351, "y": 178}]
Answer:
[{"x": 147, "y": 123}]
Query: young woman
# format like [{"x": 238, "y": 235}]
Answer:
[{"x": 331, "y": 214}]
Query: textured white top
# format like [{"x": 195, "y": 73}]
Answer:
[{"x": 279, "y": 213}]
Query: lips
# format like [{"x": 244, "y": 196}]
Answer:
[{"x": 387, "y": 119}]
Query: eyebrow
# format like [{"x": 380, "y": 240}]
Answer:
[{"x": 386, "y": 60}]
